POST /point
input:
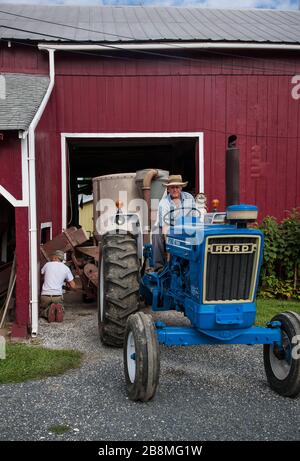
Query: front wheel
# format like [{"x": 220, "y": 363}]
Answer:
[
  {"x": 282, "y": 365},
  {"x": 141, "y": 357}
]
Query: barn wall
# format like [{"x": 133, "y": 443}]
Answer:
[
  {"x": 48, "y": 174},
  {"x": 23, "y": 59},
  {"x": 20, "y": 326},
  {"x": 217, "y": 95},
  {"x": 11, "y": 179},
  {"x": 10, "y": 163}
]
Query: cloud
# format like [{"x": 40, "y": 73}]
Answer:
[
  {"x": 272, "y": 4},
  {"x": 278, "y": 4}
]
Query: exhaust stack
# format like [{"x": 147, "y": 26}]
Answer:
[
  {"x": 232, "y": 172},
  {"x": 237, "y": 213}
]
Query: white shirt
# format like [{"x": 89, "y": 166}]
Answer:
[
  {"x": 167, "y": 204},
  {"x": 56, "y": 273}
]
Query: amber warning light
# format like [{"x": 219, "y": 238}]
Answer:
[
  {"x": 119, "y": 204},
  {"x": 215, "y": 204}
]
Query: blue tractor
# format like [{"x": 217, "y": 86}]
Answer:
[{"x": 211, "y": 276}]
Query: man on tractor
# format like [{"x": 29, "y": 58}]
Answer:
[{"x": 175, "y": 205}]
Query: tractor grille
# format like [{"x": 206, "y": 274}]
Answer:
[{"x": 231, "y": 265}]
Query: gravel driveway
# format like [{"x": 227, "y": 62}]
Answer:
[{"x": 205, "y": 393}]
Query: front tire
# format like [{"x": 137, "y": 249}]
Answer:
[
  {"x": 282, "y": 366},
  {"x": 118, "y": 287},
  {"x": 141, "y": 357}
]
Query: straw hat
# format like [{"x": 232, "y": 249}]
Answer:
[{"x": 175, "y": 180}]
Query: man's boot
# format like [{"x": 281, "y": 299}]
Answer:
[
  {"x": 59, "y": 312},
  {"x": 51, "y": 313}
]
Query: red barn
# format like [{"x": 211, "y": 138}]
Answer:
[{"x": 86, "y": 91}]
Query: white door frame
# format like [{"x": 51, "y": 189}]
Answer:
[{"x": 64, "y": 137}]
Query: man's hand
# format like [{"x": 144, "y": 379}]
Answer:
[{"x": 165, "y": 230}]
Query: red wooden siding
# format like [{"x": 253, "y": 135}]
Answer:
[
  {"x": 20, "y": 326},
  {"x": 217, "y": 95},
  {"x": 11, "y": 179},
  {"x": 48, "y": 175},
  {"x": 22, "y": 59},
  {"x": 10, "y": 163}
]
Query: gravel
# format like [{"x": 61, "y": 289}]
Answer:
[{"x": 205, "y": 393}]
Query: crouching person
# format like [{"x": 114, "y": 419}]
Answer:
[{"x": 55, "y": 273}]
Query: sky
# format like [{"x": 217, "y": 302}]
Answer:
[{"x": 274, "y": 4}]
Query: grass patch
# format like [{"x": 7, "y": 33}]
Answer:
[
  {"x": 267, "y": 308},
  {"x": 59, "y": 429},
  {"x": 26, "y": 363}
]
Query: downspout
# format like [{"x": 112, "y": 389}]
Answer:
[{"x": 34, "y": 295}]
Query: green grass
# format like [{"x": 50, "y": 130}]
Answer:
[
  {"x": 267, "y": 308},
  {"x": 26, "y": 363}
]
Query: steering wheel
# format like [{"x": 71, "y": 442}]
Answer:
[{"x": 169, "y": 217}]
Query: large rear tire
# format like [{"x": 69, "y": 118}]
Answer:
[
  {"x": 282, "y": 365},
  {"x": 141, "y": 357},
  {"x": 118, "y": 287}
]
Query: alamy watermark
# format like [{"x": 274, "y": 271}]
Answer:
[
  {"x": 2, "y": 87},
  {"x": 133, "y": 215},
  {"x": 296, "y": 348},
  {"x": 296, "y": 89},
  {"x": 2, "y": 348}
]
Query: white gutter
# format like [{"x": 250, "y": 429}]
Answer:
[
  {"x": 171, "y": 46},
  {"x": 32, "y": 200}
]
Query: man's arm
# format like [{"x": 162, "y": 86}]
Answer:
[
  {"x": 70, "y": 279},
  {"x": 164, "y": 215},
  {"x": 164, "y": 230},
  {"x": 72, "y": 284},
  {"x": 43, "y": 269}
]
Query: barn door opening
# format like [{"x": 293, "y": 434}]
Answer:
[{"x": 89, "y": 158}]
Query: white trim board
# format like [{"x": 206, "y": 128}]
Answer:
[{"x": 64, "y": 137}]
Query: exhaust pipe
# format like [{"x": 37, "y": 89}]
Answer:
[
  {"x": 236, "y": 213},
  {"x": 232, "y": 172}
]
